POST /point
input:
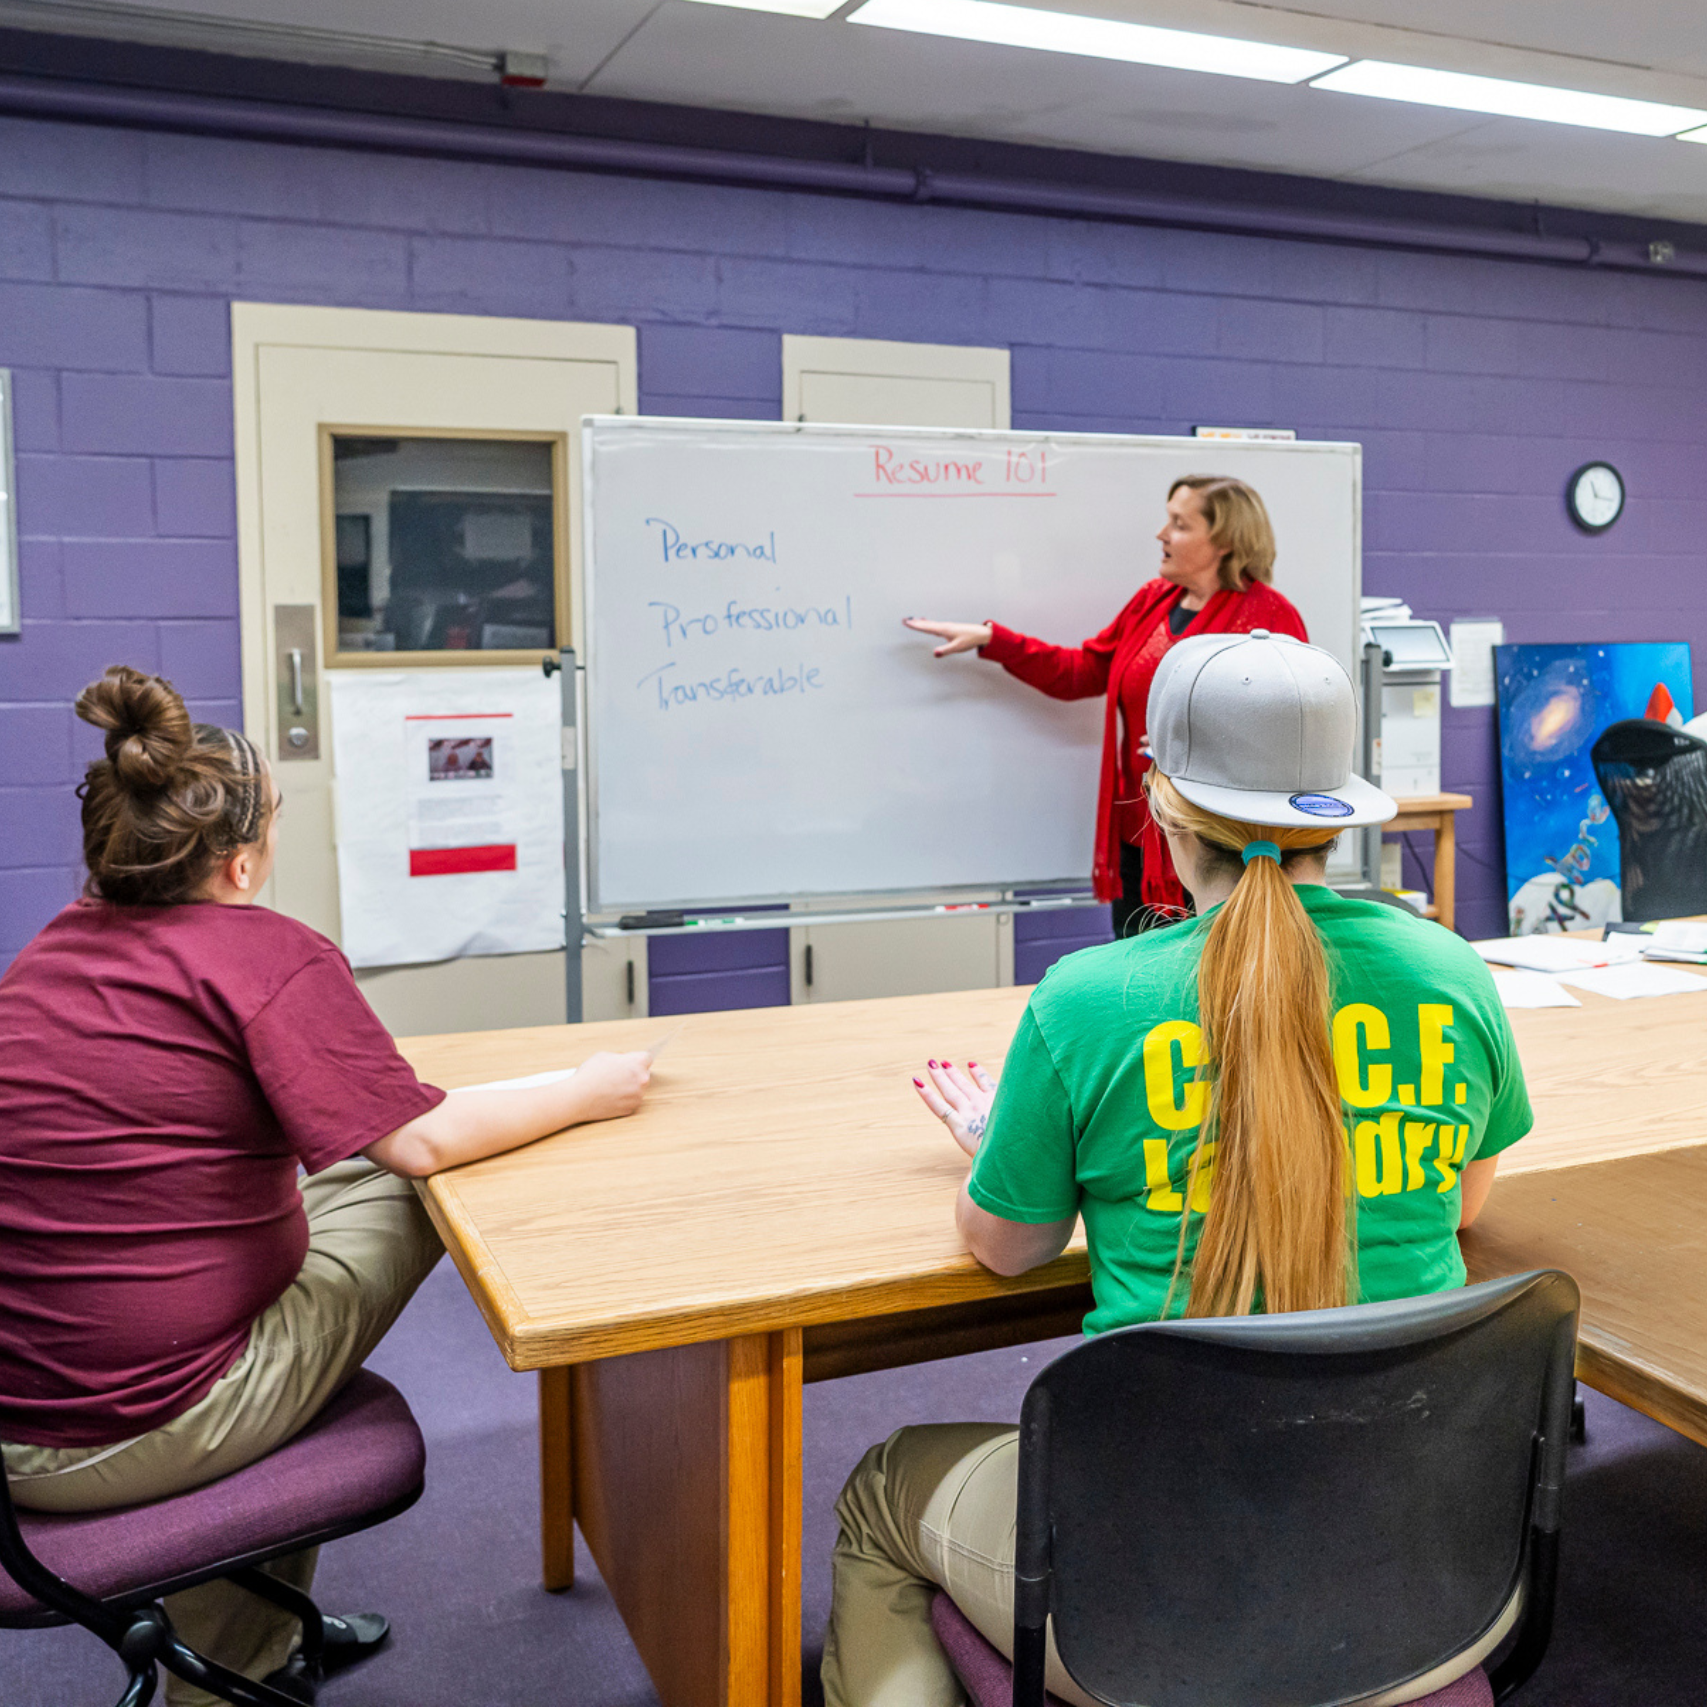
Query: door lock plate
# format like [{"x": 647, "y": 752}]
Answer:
[{"x": 296, "y": 671}]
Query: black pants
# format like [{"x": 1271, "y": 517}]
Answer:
[{"x": 1131, "y": 913}]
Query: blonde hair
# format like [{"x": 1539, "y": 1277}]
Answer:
[
  {"x": 1238, "y": 527},
  {"x": 1279, "y": 1217}
]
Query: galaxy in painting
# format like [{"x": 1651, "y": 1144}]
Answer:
[{"x": 1561, "y": 842}]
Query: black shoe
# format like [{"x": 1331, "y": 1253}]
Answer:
[{"x": 350, "y": 1637}]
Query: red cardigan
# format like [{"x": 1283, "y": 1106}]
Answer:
[{"x": 1121, "y": 662}]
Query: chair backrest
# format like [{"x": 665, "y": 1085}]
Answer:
[
  {"x": 1654, "y": 779},
  {"x": 1291, "y": 1510}
]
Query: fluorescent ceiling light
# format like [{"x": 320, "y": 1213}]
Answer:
[
  {"x": 792, "y": 8},
  {"x": 1508, "y": 100},
  {"x": 1100, "y": 38}
]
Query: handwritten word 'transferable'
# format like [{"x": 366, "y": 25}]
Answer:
[
  {"x": 733, "y": 684},
  {"x": 749, "y": 619},
  {"x": 677, "y": 549}
]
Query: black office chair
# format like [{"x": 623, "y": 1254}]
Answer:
[
  {"x": 1297, "y": 1510},
  {"x": 1654, "y": 778}
]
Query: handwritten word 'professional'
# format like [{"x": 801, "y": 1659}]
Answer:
[
  {"x": 678, "y": 549},
  {"x": 733, "y": 684},
  {"x": 1013, "y": 469},
  {"x": 749, "y": 619}
]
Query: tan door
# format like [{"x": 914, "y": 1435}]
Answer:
[
  {"x": 914, "y": 385},
  {"x": 298, "y": 372}
]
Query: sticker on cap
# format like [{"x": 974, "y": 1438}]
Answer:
[{"x": 1321, "y": 805}]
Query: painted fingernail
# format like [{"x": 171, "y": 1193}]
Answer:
[
  {"x": 931, "y": 1063},
  {"x": 920, "y": 1083}
]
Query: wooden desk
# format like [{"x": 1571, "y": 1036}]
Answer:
[
  {"x": 779, "y": 1212},
  {"x": 1436, "y": 812}
]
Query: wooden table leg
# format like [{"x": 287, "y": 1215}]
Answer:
[
  {"x": 556, "y": 1480},
  {"x": 687, "y": 1489},
  {"x": 1445, "y": 868}
]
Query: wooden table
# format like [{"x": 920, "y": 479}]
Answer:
[
  {"x": 779, "y": 1212},
  {"x": 1436, "y": 812}
]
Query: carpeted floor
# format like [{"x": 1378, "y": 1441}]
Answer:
[{"x": 458, "y": 1574}]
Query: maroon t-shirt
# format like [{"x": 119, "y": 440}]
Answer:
[{"x": 163, "y": 1071}]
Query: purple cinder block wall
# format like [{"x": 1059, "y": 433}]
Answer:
[{"x": 1474, "y": 386}]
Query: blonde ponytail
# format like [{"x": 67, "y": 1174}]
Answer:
[{"x": 1278, "y": 1218}]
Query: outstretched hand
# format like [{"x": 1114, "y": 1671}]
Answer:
[
  {"x": 956, "y": 636},
  {"x": 960, "y": 1099}
]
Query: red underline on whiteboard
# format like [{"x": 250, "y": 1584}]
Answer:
[
  {"x": 453, "y": 716},
  {"x": 954, "y": 494},
  {"x": 446, "y": 862}
]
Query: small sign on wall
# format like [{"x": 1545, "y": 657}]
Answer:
[
  {"x": 10, "y": 615},
  {"x": 1473, "y": 643},
  {"x": 450, "y": 815}
]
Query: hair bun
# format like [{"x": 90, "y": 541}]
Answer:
[{"x": 148, "y": 729}]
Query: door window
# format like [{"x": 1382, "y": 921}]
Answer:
[{"x": 441, "y": 548}]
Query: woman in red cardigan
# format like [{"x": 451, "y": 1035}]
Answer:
[{"x": 1217, "y": 562}]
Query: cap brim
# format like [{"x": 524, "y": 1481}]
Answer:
[{"x": 1368, "y": 805}]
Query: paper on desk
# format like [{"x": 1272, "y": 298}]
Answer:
[
  {"x": 1530, "y": 989},
  {"x": 1558, "y": 953},
  {"x": 1675, "y": 939},
  {"x": 525, "y": 1084},
  {"x": 1643, "y": 978}
]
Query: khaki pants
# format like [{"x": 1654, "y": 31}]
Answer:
[
  {"x": 931, "y": 1508},
  {"x": 370, "y": 1244}
]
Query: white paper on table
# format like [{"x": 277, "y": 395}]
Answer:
[
  {"x": 449, "y": 789},
  {"x": 1558, "y": 953},
  {"x": 1674, "y": 938},
  {"x": 1519, "y": 989},
  {"x": 1642, "y": 978},
  {"x": 523, "y": 1084}
]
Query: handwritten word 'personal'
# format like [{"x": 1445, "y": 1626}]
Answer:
[
  {"x": 677, "y": 549},
  {"x": 731, "y": 685},
  {"x": 751, "y": 619}
]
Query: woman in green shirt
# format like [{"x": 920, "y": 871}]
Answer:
[{"x": 1291, "y": 1102}]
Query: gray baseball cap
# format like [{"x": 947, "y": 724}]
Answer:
[{"x": 1261, "y": 727}]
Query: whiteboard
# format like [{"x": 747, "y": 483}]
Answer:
[{"x": 760, "y": 727}]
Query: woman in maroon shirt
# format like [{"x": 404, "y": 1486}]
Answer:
[
  {"x": 174, "y": 1304},
  {"x": 1217, "y": 562}
]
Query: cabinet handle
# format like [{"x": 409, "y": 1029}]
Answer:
[{"x": 809, "y": 966}]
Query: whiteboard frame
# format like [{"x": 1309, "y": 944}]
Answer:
[{"x": 1346, "y": 865}]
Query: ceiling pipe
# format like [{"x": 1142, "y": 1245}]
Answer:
[{"x": 388, "y": 133}]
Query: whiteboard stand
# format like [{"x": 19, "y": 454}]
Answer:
[{"x": 573, "y": 924}]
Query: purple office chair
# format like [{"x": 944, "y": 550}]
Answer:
[
  {"x": 360, "y": 1462},
  {"x": 1292, "y": 1510}
]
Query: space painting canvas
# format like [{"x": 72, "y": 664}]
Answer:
[{"x": 1562, "y": 854}]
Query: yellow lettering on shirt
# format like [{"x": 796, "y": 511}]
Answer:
[
  {"x": 1161, "y": 1194},
  {"x": 1408, "y": 1096},
  {"x": 1204, "y": 1184},
  {"x": 1380, "y": 1169},
  {"x": 1417, "y": 1136},
  {"x": 1433, "y": 1018},
  {"x": 1174, "y": 1106},
  {"x": 1358, "y": 1028},
  {"x": 1450, "y": 1156},
  {"x": 1460, "y": 1092}
]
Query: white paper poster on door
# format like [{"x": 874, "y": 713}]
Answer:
[{"x": 450, "y": 813}]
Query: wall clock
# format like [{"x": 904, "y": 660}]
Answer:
[{"x": 1595, "y": 496}]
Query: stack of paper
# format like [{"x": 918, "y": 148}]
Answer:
[
  {"x": 1557, "y": 954},
  {"x": 1624, "y": 983},
  {"x": 1675, "y": 939}
]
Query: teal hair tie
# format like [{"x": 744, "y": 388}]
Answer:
[{"x": 1260, "y": 850}]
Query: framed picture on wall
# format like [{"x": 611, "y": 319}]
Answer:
[
  {"x": 9, "y": 613},
  {"x": 1596, "y": 758}
]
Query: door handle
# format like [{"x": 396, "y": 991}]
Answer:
[{"x": 296, "y": 680}]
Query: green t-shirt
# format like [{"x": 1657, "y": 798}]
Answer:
[{"x": 1100, "y": 1100}]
